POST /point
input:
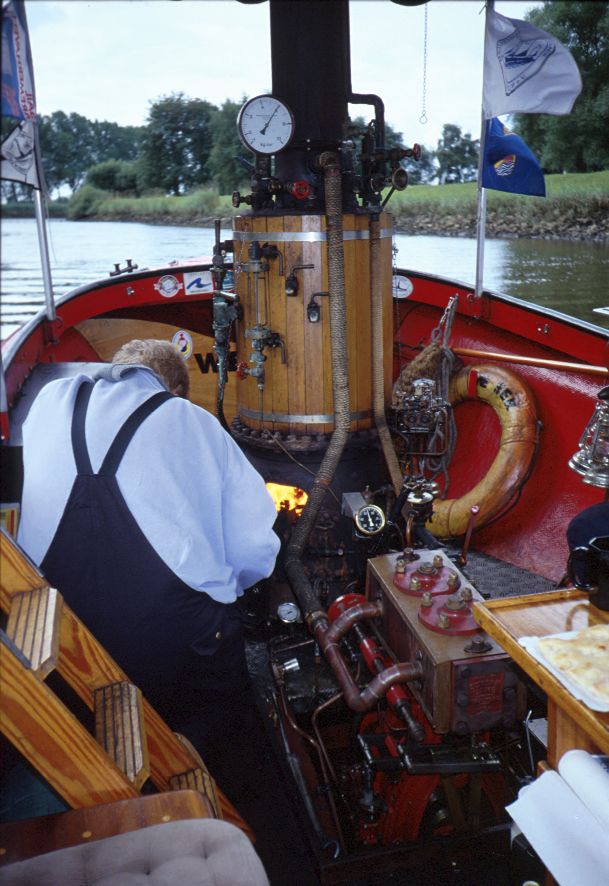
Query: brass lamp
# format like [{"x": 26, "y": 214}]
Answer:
[{"x": 591, "y": 460}]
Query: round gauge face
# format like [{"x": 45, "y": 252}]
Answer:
[
  {"x": 266, "y": 125},
  {"x": 288, "y": 613},
  {"x": 402, "y": 286},
  {"x": 370, "y": 519}
]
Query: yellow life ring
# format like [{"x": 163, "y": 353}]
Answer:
[{"x": 513, "y": 402}]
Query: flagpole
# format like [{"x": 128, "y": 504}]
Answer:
[
  {"x": 481, "y": 192},
  {"x": 480, "y": 216},
  {"x": 43, "y": 246}
]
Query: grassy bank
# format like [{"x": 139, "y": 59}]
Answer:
[{"x": 576, "y": 207}]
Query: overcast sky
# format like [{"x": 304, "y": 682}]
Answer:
[{"x": 108, "y": 59}]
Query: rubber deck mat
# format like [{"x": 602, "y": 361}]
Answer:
[{"x": 494, "y": 578}]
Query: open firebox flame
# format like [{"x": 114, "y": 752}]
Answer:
[{"x": 288, "y": 498}]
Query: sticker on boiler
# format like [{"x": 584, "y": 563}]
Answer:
[{"x": 182, "y": 342}]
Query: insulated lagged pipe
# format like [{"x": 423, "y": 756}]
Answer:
[
  {"x": 297, "y": 576},
  {"x": 295, "y": 571},
  {"x": 378, "y": 373}
]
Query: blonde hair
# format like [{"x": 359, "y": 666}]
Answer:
[{"x": 161, "y": 357}]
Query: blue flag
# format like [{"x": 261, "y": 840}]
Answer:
[
  {"x": 17, "y": 76},
  {"x": 508, "y": 164}
]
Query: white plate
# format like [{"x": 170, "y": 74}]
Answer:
[{"x": 531, "y": 644}]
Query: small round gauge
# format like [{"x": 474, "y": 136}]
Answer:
[
  {"x": 288, "y": 613},
  {"x": 402, "y": 286},
  {"x": 370, "y": 519},
  {"x": 266, "y": 125}
]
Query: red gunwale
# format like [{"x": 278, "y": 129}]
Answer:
[{"x": 531, "y": 535}]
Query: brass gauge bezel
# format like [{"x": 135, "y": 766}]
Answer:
[{"x": 368, "y": 508}]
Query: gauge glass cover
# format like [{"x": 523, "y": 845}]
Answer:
[
  {"x": 288, "y": 613},
  {"x": 266, "y": 125},
  {"x": 370, "y": 519}
]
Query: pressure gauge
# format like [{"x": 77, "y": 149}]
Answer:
[
  {"x": 288, "y": 613},
  {"x": 402, "y": 286},
  {"x": 370, "y": 519},
  {"x": 266, "y": 125}
]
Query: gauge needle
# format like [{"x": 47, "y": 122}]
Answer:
[{"x": 266, "y": 125}]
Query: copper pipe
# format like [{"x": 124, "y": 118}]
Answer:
[
  {"x": 408, "y": 533},
  {"x": 292, "y": 722},
  {"x": 531, "y": 361},
  {"x": 320, "y": 755},
  {"x": 404, "y": 672},
  {"x": 462, "y": 559},
  {"x": 347, "y": 619},
  {"x": 378, "y": 367},
  {"x": 316, "y": 713}
]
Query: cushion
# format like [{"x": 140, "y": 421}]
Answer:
[{"x": 195, "y": 852}]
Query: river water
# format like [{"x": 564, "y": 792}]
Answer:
[{"x": 569, "y": 276}]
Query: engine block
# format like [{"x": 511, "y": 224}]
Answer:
[{"x": 468, "y": 684}]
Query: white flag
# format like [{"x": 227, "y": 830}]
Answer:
[
  {"x": 19, "y": 156},
  {"x": 526, "y": 70}
]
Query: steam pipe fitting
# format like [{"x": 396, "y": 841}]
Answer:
[
  {"x": 346, "y": 620},
  {"x": 356, "y": 98},
  {"x": 328, "y": 638},
  {"x": 378, "y": 687},
  {"x": 378, "y": 375}
]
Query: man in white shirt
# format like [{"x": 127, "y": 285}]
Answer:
[{"x": 151, "y": 522}]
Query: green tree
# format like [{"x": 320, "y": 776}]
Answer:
[
  {"x": 457, "y": 155},
  {"x": 109, "y": 141},
  {"x": 576, "y": 142},
  {"x": 176, "y": 144},
  {"x": 65, "y": 147},
  {"x": 118, "y": 176},
  {"x": 70, "y": 144},
  {"x": 223, "y": 165}
]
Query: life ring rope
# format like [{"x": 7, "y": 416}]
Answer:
[{"x": 514, "y": 405}]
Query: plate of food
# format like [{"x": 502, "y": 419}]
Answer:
[{"x": 579, "y": 659}]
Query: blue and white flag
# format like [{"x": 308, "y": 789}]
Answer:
[
  {"x": 19, "y": 156},
  {"x": 19, "y": 152},
  {"x": 526, "y": 70},
  {"x": 18, "y": 99},
  {"x": 509, "y": 165}
]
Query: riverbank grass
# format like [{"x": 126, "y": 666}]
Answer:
[{"x": 576, "y": 207}]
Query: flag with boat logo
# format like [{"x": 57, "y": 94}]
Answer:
[
  {"x": 20, "y": 156},
  {"x": 509, "y": 165},
  {"x": 526, "y": 70}
]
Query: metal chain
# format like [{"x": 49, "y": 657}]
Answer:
[{"x": 423, "y": 117}]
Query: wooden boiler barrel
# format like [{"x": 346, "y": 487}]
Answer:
[{"x": 296, "y": 398}]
